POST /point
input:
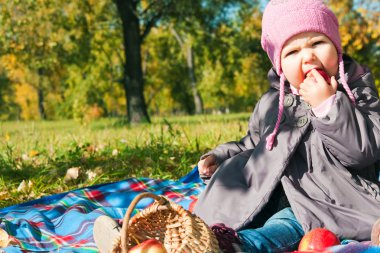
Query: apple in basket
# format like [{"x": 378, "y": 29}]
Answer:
[
  {"x": 148, "y": 246},
  {"x": 317, "y": 240}
]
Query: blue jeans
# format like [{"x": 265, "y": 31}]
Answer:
[{"x": 280, "y": 233}]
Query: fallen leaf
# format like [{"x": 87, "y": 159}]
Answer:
[
  {"x": 98, "y": 170},
  {"x": 91, "y": 174},
  {"x": 33, "y": 153},
  {"x": 99, "y": 147},
  {"x": 25, "y": 186},
  {"x": 25, "y": 157},
  {"x": 22, "y": 186},
  {"x": 72, "y": 173},
  {"x": 115, "y": 152},
  {"x": 32, "y": 195},
  {"x": 91, "y": 149}
]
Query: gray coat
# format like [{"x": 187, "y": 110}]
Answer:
[{"x": 327, "y": 166}]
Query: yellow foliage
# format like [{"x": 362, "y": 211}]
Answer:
[
  {"x": 16, "y": 72},
  {"x": 359, "y": 26},
  {"x": 26, "y": 97},
  {"x": 144, "y": 4},
  {"x": 8, "y": 61}
]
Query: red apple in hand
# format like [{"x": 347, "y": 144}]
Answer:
[
  {"x": 148, "y": 246},
  {"x": 324, "y": 75},
  {"x": 317, "y": 240}
]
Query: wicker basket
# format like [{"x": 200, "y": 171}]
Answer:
[{"x": 176, "y": 228}]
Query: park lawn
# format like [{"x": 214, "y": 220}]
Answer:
[{"x": 35, "y": 157}]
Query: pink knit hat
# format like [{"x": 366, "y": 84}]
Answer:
[{"x": 282, "y": 20}]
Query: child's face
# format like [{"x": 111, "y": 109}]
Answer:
[{"x": 306, "y": 51}]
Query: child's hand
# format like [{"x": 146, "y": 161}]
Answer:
[
  {"x": 315, "y": 90},
  {"x": 207, "y": 166}
]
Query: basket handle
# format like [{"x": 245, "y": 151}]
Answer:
[{"x": 124, "y": 230}]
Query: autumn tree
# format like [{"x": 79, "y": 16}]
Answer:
[
  {"x": 360, "y": 31},
  {"x": 229, "y": 65},
  {"x": 94, "y": 85},
  {"x": 185, "y": 41},
  {"x": 68, "y": 53},
  {"x": 8, "y": 108},
  {"x": 148, "y": 13},
  {"x": 41, "y": 35}
]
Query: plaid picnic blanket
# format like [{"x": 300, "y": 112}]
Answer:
[{"x": 64, "y": 222}]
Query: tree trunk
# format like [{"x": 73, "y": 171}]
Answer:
[
  {"x": 40, "y": 93},
  {"x": 41, "y": 107},
  {"x": 188, "y": 51},
  {"x": 133, "y": 83},
  {"x": 193, "y": 82}
]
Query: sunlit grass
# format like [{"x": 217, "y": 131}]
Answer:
[{"x": 35, "y": 156}]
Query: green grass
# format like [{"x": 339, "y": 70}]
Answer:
[{"x": 40, "y": 153}]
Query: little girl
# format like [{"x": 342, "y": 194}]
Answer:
[{"x": 309, "y": 157}]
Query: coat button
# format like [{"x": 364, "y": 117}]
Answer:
[
  {"x": 307, "y": 106},
  {"x": 302, "y": 121},
  {"x": 288, "y": 101}
]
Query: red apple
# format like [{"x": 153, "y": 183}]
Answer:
[
  {"x": 148, "y": 246},
  {"x": 322, "y": 73},
  {"x": 317, "y": 240}
]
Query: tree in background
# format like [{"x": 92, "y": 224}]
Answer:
[
  {"x": 186, "y": 43},
  {"x": 149, "y": 13},
  {"x": 240, "y": 65},
  {"x": 61, "y": 56},
  {"x": 223, "y": 62},
  {"x": 8, "y": 106},
  {"x": 360, "y": 31},
  {"x": 94, "y": 87},
  {"x": 38, "y": 34},
  {"x": 165, "y": 74}
]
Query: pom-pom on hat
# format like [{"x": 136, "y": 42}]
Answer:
[{"x": 282, "y": 20}]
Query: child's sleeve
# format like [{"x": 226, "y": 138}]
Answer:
[
  {"x": 352, "y": 132},
  {"x": 322, "y": 110},
  {"x": 249, "y": 141}
]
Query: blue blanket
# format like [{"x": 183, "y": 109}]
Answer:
[{"x": 63, "y": 222}]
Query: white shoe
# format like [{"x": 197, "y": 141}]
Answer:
[{"x": 106, "y": 231}]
